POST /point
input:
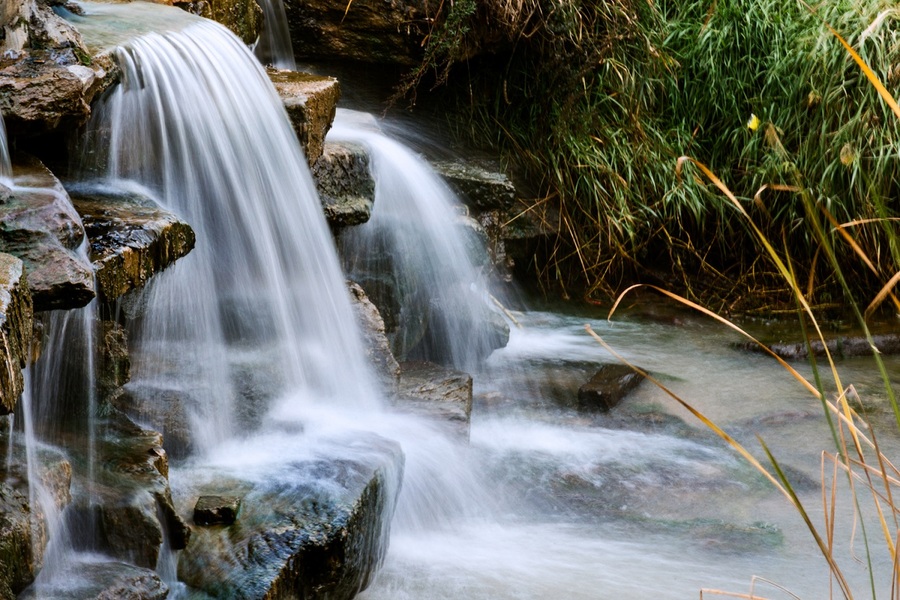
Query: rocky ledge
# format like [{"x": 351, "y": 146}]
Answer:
[
  {"x": 345, "y": 184},
  {"x": 317, "y": 530},
  {"x": 311, "y": 102},
  {"x": 131, "y": 237},
  {"x": 16, "y": 326}
]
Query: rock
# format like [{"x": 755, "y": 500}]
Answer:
[
  {"x": 387, "y": 31},
  {"x": 129, "y": 500},
  {"x": 39, "y": 225},
  {"x": 114, "y": 364},
  {"x": 16, "y": 327},
  {"x": 216, "y": 510},
  {"x": 480, "y": 184},
  {"x": 344, "y": 183},
  {"x": 131, "y": 237},
  {"x": 101, "y": 581},
  {"x": 377, "y": 347},
  {"x": 437, "y": 392},
  {"x": 609, "y": 385},
  {"x": 842, "y": 346},
  {"x": 311, "y": 102},
  {"x": 243, "y": 17},
  {"x": 47, "y": 76},
  {"x": 20, "y": 525},
  {"x": 318, "y": 530}
]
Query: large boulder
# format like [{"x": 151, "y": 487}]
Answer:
[
  {"x": 316, "y": 530},
  {"x": 39, "y": 225},
  {"x": 372, "y": 31},
  {"x": 311, "y": 102},
  {"x": 131, "y": 237},
  {"x": 345, "y": 185},
  {"x": 16, "y": 327}
]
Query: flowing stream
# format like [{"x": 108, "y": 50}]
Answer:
[
  {"x": 255, "y": 333},
  {"x": 5, "y": 165}
]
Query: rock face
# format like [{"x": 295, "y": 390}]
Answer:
[
  {"x": 345, "y": 184},
  {"x": 609, "y": 385},
  {"x": 16, "y": 326},
  {"x": 310, "y": 101},
  {"x": 243, "y": 17},
  {"x": 318, "y": 531},
  {"x": 374, "y": 31},
  {"x": 47, "y": 76},
  {"x": 39, "y": 225},
  {"x": 103, "y": 581},
  {"x": 378, "y": 349},
  {"x": 437, "y": 392},
  {"x": 131, "y": 238}
]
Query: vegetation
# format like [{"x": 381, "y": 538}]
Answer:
[{"x": 596, "y": 100}]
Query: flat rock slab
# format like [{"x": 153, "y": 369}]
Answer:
[
  {"x": 311, "y": 102},
  {"x": 437, "y": 392},
  {"x": 317, "y": 530},
  {"x": 480, "y": 184},
  {"x": 101, "y": 581},
  {"x": 216, "y": 510},
  {"x": 131, "y": 237},
  {"x": 16, "y": 325},
  {"x": 345, "y": 184},
  {"x": 609, "y": 385},
  {"x": 843, "y": 346},
  {"x": 39, "y": 225}
]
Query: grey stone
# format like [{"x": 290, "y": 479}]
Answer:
[
  {"x": 131, "y": 237},
  {"x": 216, "y": 510},
  {"x": 609, "y": 385},
  {"x": 480, "y": 184},
  {"x": 16, "y": 330},
  {"x": 377, "y": 346},
  {"x": 102, "y": 581},
  {"x": 436, "y": 392},
  {"x": 344, "y": 183},
  {"x": 311, "y": 102}
]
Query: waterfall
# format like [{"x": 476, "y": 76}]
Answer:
[
  {"x": 416, "y": 258},
  {"x": 274, "y": 45},
  {"x": 197, "y": 121},
  {"x": 5, "y": 165}
]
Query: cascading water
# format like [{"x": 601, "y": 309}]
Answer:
[
  {"x": 274, "y": 45},
  {"x": 416, "y": 258},
  {"x": 5, "y": 164}
]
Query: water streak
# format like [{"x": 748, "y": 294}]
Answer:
[
  {"x": 5, "y": 164},
  {"x": 274, "y": 45}
]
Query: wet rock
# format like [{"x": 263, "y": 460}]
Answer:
[
  {"x": 243, "y": 17},
  {"x": 129, "y": 500},
  {"x": 609, "y": 385},
  {"x": 311, "y": 102},
  {"x": 842, "y": 346},
  {"x": 47, "y": 76},
  {"x": 21, "y": 524},
  {"x": 377, "y": 347},
  {"x": 216, "y": 510},
  {"x": 102, "y": 581},
  {"x": 16, "y": 327},
  {"x": 479, "y": 184},
  {"x": 344, "y": 183},
  {"x": 39, "y": 225},
  {"x": 390, "y": 31},
  {"x": 318, "y": 530},
  {"x": 114, "y": 363},
  {"x": 131, "y": 237},
  {"x": 437, "y": 392}
]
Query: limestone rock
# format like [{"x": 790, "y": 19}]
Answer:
[
  {"x": 480, "y": 184},
  {"x": 16, "y": 326},
  {"x": 344, "y": 183},
  {"x": 39, "y": 225},
  {"x": 216, "y": 510},
  {"x": 243, "y": 17},
  {"x": 378, "y": 348},
  {"x": 317, "y": 531},
  {"x": 311, "y": 102},
  {"x": 103, "y": 581},
  {"x": 437, "y": 392},
  {"x": 131, "y": 237},
  {"x": 374, "y": 31},
  {"x": 609, "y": 385}
]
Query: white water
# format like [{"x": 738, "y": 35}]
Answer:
[
  {"x": 417, "y": 251},
  {"x": 5, "y": 165}
]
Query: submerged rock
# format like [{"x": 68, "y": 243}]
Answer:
[
  {"x": 16, "y": 326},
  {"x": 311, "y": 102},
  {"x": 102, "y": 581},
  {"x": 842, "y": 346},
  {"x": 317, "y": 530},
  {"x": 131, "y": 237},
  {"x": 437, "y": 392},
  {"x": 377, "y": 347},
  {"x": 39, "y": 225},
  {"x": 216, "y": 510},
  {"x": 609, "y": 385},
  {"x": 345, "y": 184}
]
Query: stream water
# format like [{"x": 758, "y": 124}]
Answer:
[
  {"x": 255, "y": 331},
  {"x": 5, "y": 166}
]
